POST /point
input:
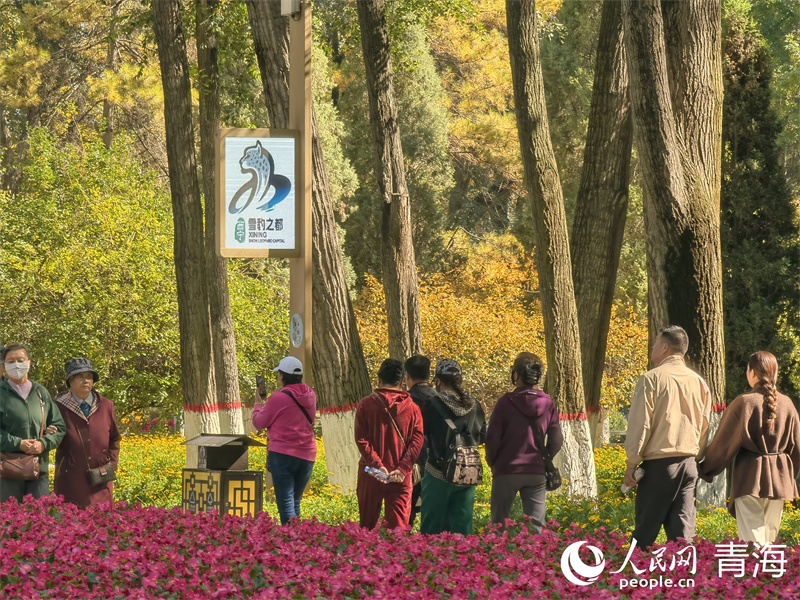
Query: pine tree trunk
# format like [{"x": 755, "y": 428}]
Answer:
[
  {"x": 602, "y": 204},
  {"x": 197, "y": 373},
  {"x": 674, "y": 59},
  {"x": 223, "y": 342},
  {"x": 341, "y": 378},
  {"x": 398, "y": 262},
  {"x": 564, "y": 379}
]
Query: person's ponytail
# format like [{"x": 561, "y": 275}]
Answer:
[
  {"x": 770, "y": 404},
  {"x": 765, "y": 368}
]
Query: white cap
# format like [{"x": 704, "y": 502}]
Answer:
[{"x": 289, "y": 365}]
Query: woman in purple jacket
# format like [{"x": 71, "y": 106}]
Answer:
[
  {"x": 511, "y": 449},
  {"x": 288, "y": 416}
]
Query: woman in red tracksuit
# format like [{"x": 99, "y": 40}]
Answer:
[{"x": 388, "y": 432}]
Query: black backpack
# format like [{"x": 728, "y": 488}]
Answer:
[{"x": 461, "y": 464}]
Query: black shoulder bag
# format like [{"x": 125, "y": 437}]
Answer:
[{"x": 551, "y": 472}]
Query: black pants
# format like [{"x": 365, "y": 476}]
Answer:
[
  {"x": 666, "y": 496},
  {"x": 19, "y": 489},
  {"x": 416, "y": 502}
]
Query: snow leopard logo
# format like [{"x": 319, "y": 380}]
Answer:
[{"x": 257, "y": 161}]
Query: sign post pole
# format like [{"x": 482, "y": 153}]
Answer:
[
  {"x": 300, "y": 120},
  {"x": 264, "y": 188}
]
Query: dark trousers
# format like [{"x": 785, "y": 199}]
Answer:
[
  {"x": 446, "y": 506},
  {"x": 10, "y": 488},
  {"x": 394, "y": 497},
  {"x": 416, "y": 503},
  {"x": 290, "y": 476},
  {"x": 530, "y": 488},
  {"x": 666, "y": 496}
]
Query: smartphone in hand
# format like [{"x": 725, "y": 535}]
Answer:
[{"x": 261, "y": 387}]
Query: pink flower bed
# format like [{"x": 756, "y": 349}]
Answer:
[{"x": 52, "y": 550}]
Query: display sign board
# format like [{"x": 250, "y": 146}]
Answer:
[{"x": 257, "y": 206}]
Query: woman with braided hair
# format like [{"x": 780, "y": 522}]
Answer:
[{"x": 760, "y": 434}]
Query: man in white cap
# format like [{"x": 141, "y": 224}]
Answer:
[{"x": 288, "y": 416}]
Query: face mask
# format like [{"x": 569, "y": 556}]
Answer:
[{"x": 18, "y": 370}]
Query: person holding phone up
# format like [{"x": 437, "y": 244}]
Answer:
[{"x": 288, "y": 416}]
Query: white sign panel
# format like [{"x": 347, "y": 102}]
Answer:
[{"x": 257, "y": 207}]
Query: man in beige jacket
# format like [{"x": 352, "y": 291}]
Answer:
[{"x": 667, "y": 429}]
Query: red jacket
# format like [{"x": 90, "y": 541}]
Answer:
[{"x": 376, "y": 437}]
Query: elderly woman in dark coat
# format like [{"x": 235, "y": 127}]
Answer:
[{"x": 92, "y": 438}]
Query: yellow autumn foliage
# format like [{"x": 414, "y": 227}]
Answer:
[{"x": 485, "y": 310}]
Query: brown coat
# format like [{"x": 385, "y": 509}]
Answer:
[
  {"x": 765, "y": 464},
  {"x": 96, "y": 438}
]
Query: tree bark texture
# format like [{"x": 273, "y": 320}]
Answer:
[
  {"x": 197, "y": 373},
  {"x": 674, "y": 59},
  {"x": 399, "y": 265},
  {"x": 602, "y": 204},
  {"x": 340, "y": 372},
  {"x": 271, "y": 40},
  {"x": 223, "y": 342},
  {"x": 564, "y": 378},
  {"x": 678, "y": 142}
]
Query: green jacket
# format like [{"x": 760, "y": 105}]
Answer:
[{"x": 22, "y": 420}]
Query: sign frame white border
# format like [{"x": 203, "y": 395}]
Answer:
[{"x": 222, "y": 215}]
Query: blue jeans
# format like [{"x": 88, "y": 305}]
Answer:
[{"x": 290, "y": 476}]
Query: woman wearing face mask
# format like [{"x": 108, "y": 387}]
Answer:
[
  {"x": 22, "y": 404},
  {"x": 92, "y": 439}
]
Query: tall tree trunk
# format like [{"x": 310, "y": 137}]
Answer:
[
  {"x": 111, "y": 65},
  {"x": 564, "y": 379},
  {"x": 602, "y": 205},
  {"x": 271, "y": 41},
  {"x": 693, "y": 33},
  {"x": 223, "y": 342},
  {"x": 197, "y": 373},
  {"x": 676, "y": 95},
  {"x": 399, "y": 266},
  {"x": 340, "y": 371}
]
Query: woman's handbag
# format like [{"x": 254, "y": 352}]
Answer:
[
  {"x": 99, "y": 475},
  {"x": 551, "y": 473},
  {"x": 416, "y": 474},
  {"x": 19, "y": 466}
]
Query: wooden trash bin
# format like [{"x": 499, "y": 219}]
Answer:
[{"x": 222, "y": 482}]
